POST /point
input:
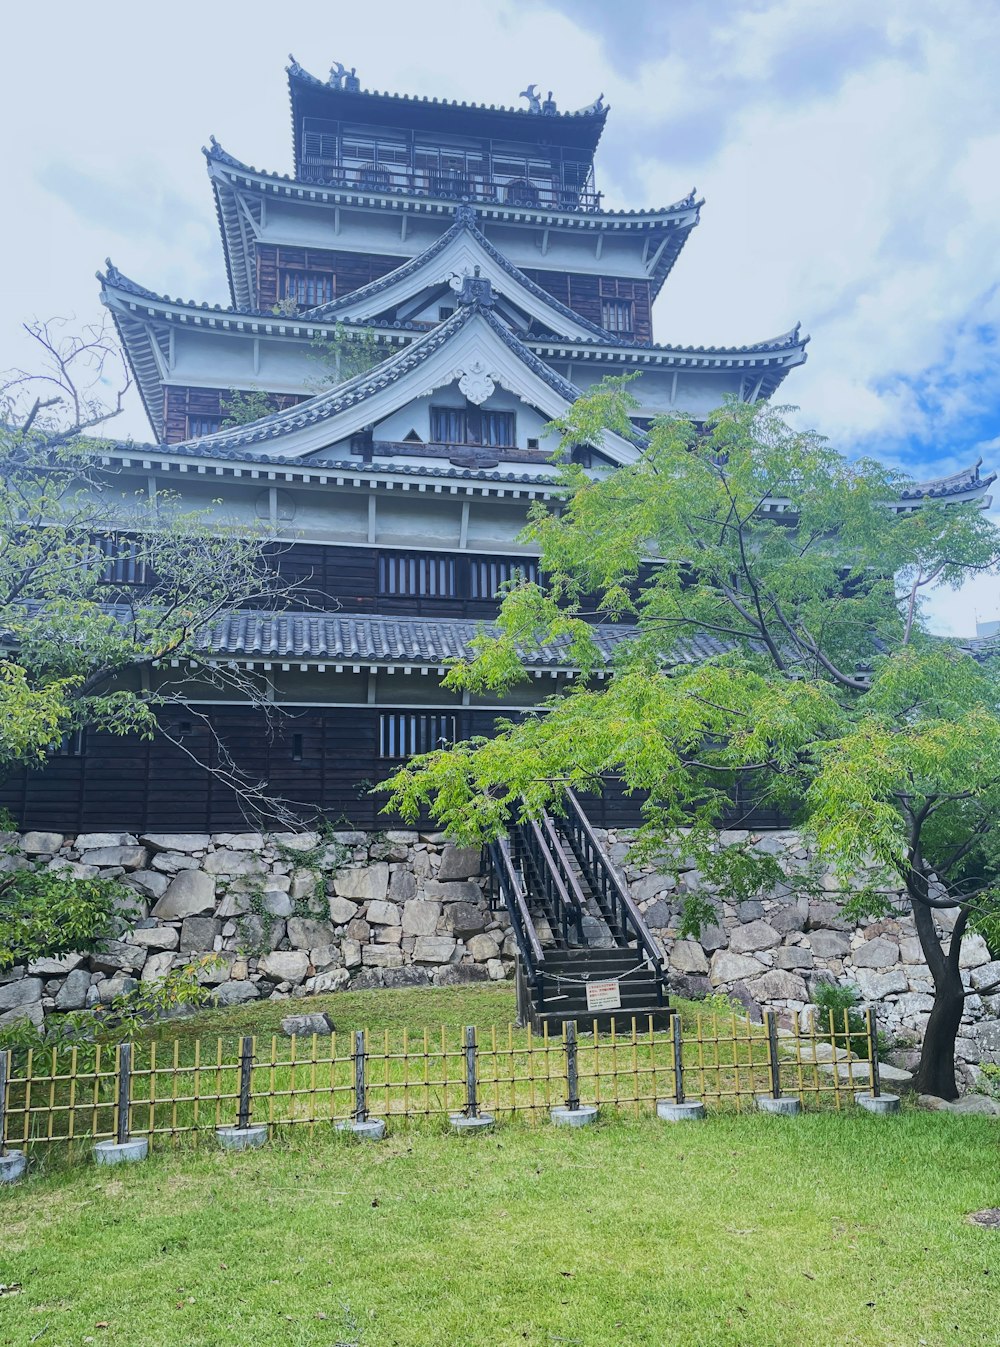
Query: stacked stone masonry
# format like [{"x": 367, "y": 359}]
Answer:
[{"x": 295, "y": 915}]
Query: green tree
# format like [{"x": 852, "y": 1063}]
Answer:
[
  {"x": 99, "y": 585},
  {"x": 818, "y": 684}
]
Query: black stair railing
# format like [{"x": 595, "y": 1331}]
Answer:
[
  {"x": 510, "y": 886},
  {"x": 611, "y": 893},
  {"x": 547, "y": 883}
]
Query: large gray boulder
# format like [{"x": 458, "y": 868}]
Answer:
[
  {"x": 191, "y": 893},
  {"x": 727, "y": 967},
  {"x": 198, "y": 934},
  {"x": 379, "y": 956},
  {"x": 118, "y": 957},
  {"x": 877, "y": 953},
  {"x": 383, "y": 914},
  {"x": 455, "y": 891},
  {"x": 755, "y": 936},
  {"x": 433, "y": 949},
  {"x": 41, "y": 844},
  {"x": 290, "y": 965},
  {"x": 459, "y": 862},
  {"x": 176, "y": 841},
  {"x": 158, "y": 937},
  {"x": 305, "y": 933},
  {"x": 687, "y": 956},
  {"x": 829, "y": 944},
  {"x": 364, "y": 884},
  {"x": 778, "y": 985},
  {"x": 235, "y": 993},
  {"x": 72, "y": 995},
  {"x": 420, "y": 917},
  {"x": 229, "y": 861},
  {"x": 55, "y": 968},
  {"x": 125, "y": 858},
  {"x": 294, "y": 1026},
  {"x": 463, "y": 919},
  {"x": 15, "y": 995},
  {"x": 342, "y": 910}
]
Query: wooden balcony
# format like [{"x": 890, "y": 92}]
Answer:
[{"x": 535, "y": 192}]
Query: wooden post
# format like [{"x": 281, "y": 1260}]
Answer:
[
  {"x": 572, "y": 1073},
  {"x": 873, "y": 1051},
  {"x": 678, "y": 1061},
  {"x": 360, "y": 1085},
  {"x": 471, "y": 1102},
  {"x": 772, "y": 1053},
  {"x": 246, "y": 1072},
  {"x": 124, "y": 1091}
]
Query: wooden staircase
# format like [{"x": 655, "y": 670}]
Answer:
[{"x": 577, "y": 929}]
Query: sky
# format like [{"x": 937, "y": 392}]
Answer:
[{"x": 848, "y": 154}]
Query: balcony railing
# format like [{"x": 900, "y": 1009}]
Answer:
[{"x": 529, "y": 192}]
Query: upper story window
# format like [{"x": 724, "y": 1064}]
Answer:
[
  {"x": 202, "y": 425},
  {"x": 306, "y": 288},
  {"x": 487, "y": 574},
  {"x": 125, "y": 563},
  {"x": 468, "y": 425},
  {"x": 422, "y": 575},
  {"x": 618, "y": 315},
  {"x": 71, "y": 745}
]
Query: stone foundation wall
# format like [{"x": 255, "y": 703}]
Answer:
[
  {"x": 294, "y": 915},
  {"x": 771, "y": 952},
  {"x": 283, "y": 916}
]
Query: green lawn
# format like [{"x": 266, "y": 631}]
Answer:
[{"x": 738, "y": 1231}]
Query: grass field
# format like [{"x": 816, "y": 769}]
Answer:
[
  {"x": 731, "y": 1233},
  {"x": 743, "y": 1231}
]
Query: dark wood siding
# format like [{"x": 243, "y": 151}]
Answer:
[
  {"x": 183, "y": 405},
  {"x": 348, "y": 578},
  {"x": 349, "y": 271},
  {"x": 585, "y": 295},
  {"x": 145, "y": 785}
]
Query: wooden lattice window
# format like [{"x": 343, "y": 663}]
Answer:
[
  {"x": 307, "y": 288},
  {"x": 403, "y": 734},
  {"x": 487, "y": 574},
  {"x": 419, "y": 575},
  {"x": 618, "y": 315},
  {"x": 197, "y": 426}
]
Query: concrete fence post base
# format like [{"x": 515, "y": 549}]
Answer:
[
  {"x": 13, "y": 1166},
  {"x": 686, "y": 1112},
  {"x": 241, "y": 1138},
  {"x": 121, "y": 1152},
  {"x": 786, "y": 1106},
  {"x": 881, "y": 1103},
  {"x": 464, "y": 1122},
  {"x": 564, "y": 1116},
  {"x": 371, "y": 1129}
]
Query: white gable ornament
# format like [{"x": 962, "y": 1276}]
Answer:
[{"x": 475, "y": 382}]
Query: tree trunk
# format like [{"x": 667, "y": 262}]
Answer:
[{"x": 936, "y": 1072}]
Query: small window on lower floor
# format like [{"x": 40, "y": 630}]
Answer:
[
  {"x": 403, "y": 734},
  {"x": 71, "y": 745}
]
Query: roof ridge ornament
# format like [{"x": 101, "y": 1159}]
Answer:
[
  {"x": 476, "y": 291},
  {"x": 465, "y": 214},
  {"x": 531, "y": 94}
]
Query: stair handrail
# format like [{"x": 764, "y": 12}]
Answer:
[
  {"x": 629, "y": 908},
  {"x": 513, "y": 895},
  {"x": 565, "y": 869},
  {"x": 569, "y": 909}
]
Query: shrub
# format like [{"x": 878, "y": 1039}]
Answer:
[{"x": 842, "y": 1000}]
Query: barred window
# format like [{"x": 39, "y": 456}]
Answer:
[
  {"x": 422, "y": 575},
  {"x": 488, "y": 574},
  {"x": 197, "y": 426},
  {"x": 618, "y": 315},
  {"x": 460, "y": 425},
  {"x": 403, "y": 734},
  {"x": 125, "y": 563},
  {"x": 307, "y": 288},
  {"x": 71, "y": 745}
]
